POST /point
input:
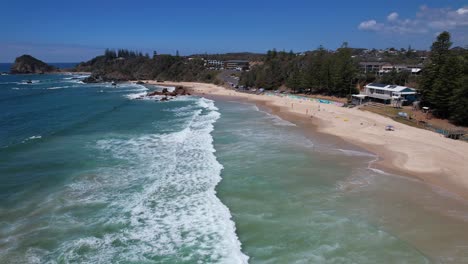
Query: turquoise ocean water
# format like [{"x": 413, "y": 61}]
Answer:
[{"x": 89, "y": 174}]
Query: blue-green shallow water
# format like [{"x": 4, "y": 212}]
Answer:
[{"x": 90, "y": 175}]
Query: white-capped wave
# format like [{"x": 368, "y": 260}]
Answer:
[
  {"x": 208, "y": 104},
  {"x": 32, "y": 138},
  {"x": 160, "y": 203},
  {"x": 133, "y": 96},
  {"x": 58, "y": 87}
]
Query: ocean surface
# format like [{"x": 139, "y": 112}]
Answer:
[
  {"x": 91, "y": 174},
  {"x": 5, "y": 67}
]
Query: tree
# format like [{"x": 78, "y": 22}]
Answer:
[
  {"x": 444, "y": 81},
  {"x": 459, "y": 100},
  {"x": 435, "y": 92}
]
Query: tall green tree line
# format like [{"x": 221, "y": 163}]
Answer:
[
  {"x": 319, "y": 71},
  {"x": 444, "y": 84},
  {"x": 124, "y": 64}
]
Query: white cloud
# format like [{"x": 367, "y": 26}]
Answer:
[
  {"x": 462, "y": 11},
  {"x": 426, "y": 20},
  {"x": 370, "y": 25},
  {"x": 392, "y": 16}
]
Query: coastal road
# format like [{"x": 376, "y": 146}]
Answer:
[{"x": 225, "y": 75}]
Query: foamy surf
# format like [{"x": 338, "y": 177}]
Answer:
[
  {"x": 178, "y": 209},
  {"x": 158, "y": 205},
  {"x": 32, "y": 138}
]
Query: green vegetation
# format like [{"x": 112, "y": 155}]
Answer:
[
  {"x": 123, "y": 65},
  {"x": 444, "y": 84},
  {"x": 319, "y": 71},
  {"x": 231, "y": 56}
]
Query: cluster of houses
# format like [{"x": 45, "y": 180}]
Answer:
[
  {"x": 239, "y": 65},
  {"x": 385, "y": 67},
  {"x": 385, "y": 93}
]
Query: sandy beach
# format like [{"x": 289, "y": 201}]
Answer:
[{"x": 423, "y": 154}]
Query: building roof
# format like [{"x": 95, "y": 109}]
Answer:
[
  {"x": 237, "y": 61},
  {"x": 393, "y": 88},
  {"x": 372, "y": 63}
]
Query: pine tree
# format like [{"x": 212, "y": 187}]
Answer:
[
  {"x": 459, "y": 99},
  {"x": 433, "y": 89},
  {"x": 442, "y": 88}
]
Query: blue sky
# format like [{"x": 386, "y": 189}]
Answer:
[{"x": 70, "y": 31}]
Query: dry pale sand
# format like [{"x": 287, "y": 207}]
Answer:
[{"x": 423, "y": 154}]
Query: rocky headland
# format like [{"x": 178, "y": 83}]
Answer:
[{"x": 27, "y": 64}]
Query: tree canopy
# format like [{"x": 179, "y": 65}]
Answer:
[
  {"x": 319, "y": 71},
  {"x": 122, "y": 65},
  {"x": 444, "y": 84}
]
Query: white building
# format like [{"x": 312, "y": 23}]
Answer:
[
  {"x": 387, "y": 93},
  {"x": 389, "y": 68},
  {"x": 214, "y": 64}
]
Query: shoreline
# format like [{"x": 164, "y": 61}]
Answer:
[{"x": 420, "y": 154}]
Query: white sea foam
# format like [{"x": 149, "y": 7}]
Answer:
[
  {"x": 278, "y": 120},
  {"x": 166, "y": 200},
  {"x": 208, "y": 104},
  {"x": 133, "y": 96},
  {"x": 58, "y": 87},
  {"x": 77, "y": 81},
  {"x": 349, "y": 152},
  {"x": 378, "y": 171},
  {"x": 32, "y": 138},
  {"x": 138, "y": 91},
  {"x": 169, "y": 88}
]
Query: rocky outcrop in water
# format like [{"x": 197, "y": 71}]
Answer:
[
  {"x": 178, "y": 91},
  {"x": 27, "y": 64},
  {"x": 114, "y": 76},
  {"x": 167, "y": 95}
]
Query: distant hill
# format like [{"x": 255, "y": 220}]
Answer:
[{"x": 28, "y": 64}]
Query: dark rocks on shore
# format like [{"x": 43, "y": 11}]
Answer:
[
  {"x": 92, "y": 79},
  {"x": 177, "y": 91},
  {"x": 167, "y": 95},
  {"x": 108, "y": 77},
  {"x": 27, "y": 64}
]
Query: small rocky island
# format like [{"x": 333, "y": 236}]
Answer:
[
  {"x": 167, "y": 95},
  {"x": 27, "y": 64}
]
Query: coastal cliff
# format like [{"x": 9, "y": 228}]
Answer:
[{"x": 28, "y": 64}]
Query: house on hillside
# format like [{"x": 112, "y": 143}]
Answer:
[
  {"x": 385, "y": 93},
  {"x": 236, "y": 64},
  {"x": 214, "y": 64},
  {"x": 415, "y": 69},
  {"x": 387, "y": 68},
  {"x": 370, "y": 66}
]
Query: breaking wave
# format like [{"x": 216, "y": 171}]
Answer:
[{"x": 158, "y": 205}]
